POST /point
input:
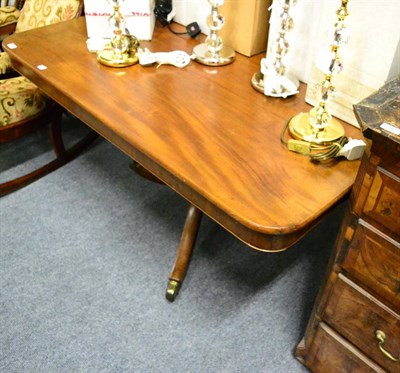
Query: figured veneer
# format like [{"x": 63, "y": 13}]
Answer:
[{"x": 355, "y": 324}]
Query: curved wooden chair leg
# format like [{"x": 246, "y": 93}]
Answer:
[
  {"x": 63, "y": 156},
  {"x": 67, "y": 155},
  {"x": 184, "y": 253}
]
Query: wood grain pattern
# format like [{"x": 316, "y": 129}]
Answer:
[
  {"x": 374, "y": 259},
  {"x": 356, "y": 316},
  {"x": 332, "y": 353},
  {"x": 204, "y": 131},
  {"x": 361, "y": 291}
]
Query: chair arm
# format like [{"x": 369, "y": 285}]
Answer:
[
  {"x": 8, "y": 29},
  {"x": 5, "y": 64},
  {"x": 8, "y": 19}
]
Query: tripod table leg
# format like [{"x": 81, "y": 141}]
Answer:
[{"x": 185, "y": 249}]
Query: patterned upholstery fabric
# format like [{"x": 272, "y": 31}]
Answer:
[
  {"x": 21, "y": 99},
  {"x": 5, "y": 63},
  {"x": 38, "y": 13},
  {"x": 8, "y": 14}
]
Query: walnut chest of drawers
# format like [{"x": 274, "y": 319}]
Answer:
[{"x": 355, "y": 324}]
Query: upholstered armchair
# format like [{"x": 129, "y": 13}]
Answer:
[
  {"x": 9, "y": 14},
  {"x": 23, "y": 107}
]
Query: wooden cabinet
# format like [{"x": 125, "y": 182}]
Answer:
[{"x": 355, "y": 324}]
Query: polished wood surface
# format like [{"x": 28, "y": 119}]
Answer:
[
  {"x": 359, "y": 302},
  {"x": 331, "y": 353},
  {"x": 204, "y": 131}
]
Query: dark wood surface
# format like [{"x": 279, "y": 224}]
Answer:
[
  {"x": 204, "y": 131},
  {"x": 383, "y": 106},
  {"x": 361, "y": 293}
]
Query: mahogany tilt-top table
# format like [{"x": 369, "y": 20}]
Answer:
[{"x": 203, "y": 131}]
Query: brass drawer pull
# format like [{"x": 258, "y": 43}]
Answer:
[{"x": 381, "y": 336}]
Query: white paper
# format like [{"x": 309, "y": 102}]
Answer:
[{"x": 139, "y": 18}]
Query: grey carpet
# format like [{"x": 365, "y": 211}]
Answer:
[{"x": 84, "y": 262}]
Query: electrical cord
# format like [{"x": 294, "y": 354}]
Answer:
[
  {"x": 165, "y": 13},
  {"x": 321, "y": 153},
  {"x": 175, "y": 32},
  {"x": 349, "y": 148}
]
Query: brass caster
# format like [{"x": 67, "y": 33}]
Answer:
[{"x": 172, "y": 290}]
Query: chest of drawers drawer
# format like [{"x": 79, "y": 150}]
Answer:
[
  {"x": 373, "y": 259},
  {"x": 382, "y": 205},
  {"x": 332, "y": 353},
  {"x": 355, "y": 324},
  {"x": 357, "y": 316}
]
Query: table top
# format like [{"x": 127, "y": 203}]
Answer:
[{"x": 205, "y": 131}]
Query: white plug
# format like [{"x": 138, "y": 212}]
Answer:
[
  {"x": 352, "y": 150},
  {"x": 175, "y": 58},
  {"x": 146, "y": 58},
  {"x": 171, "y": 15}
]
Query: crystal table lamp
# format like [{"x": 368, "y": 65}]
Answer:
[
  {"x": 213, "y": 52},
  {"x": 317, "y": 126},
  {"x": 121, "y": 51},
  {"x": 273, "y": 80}
]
